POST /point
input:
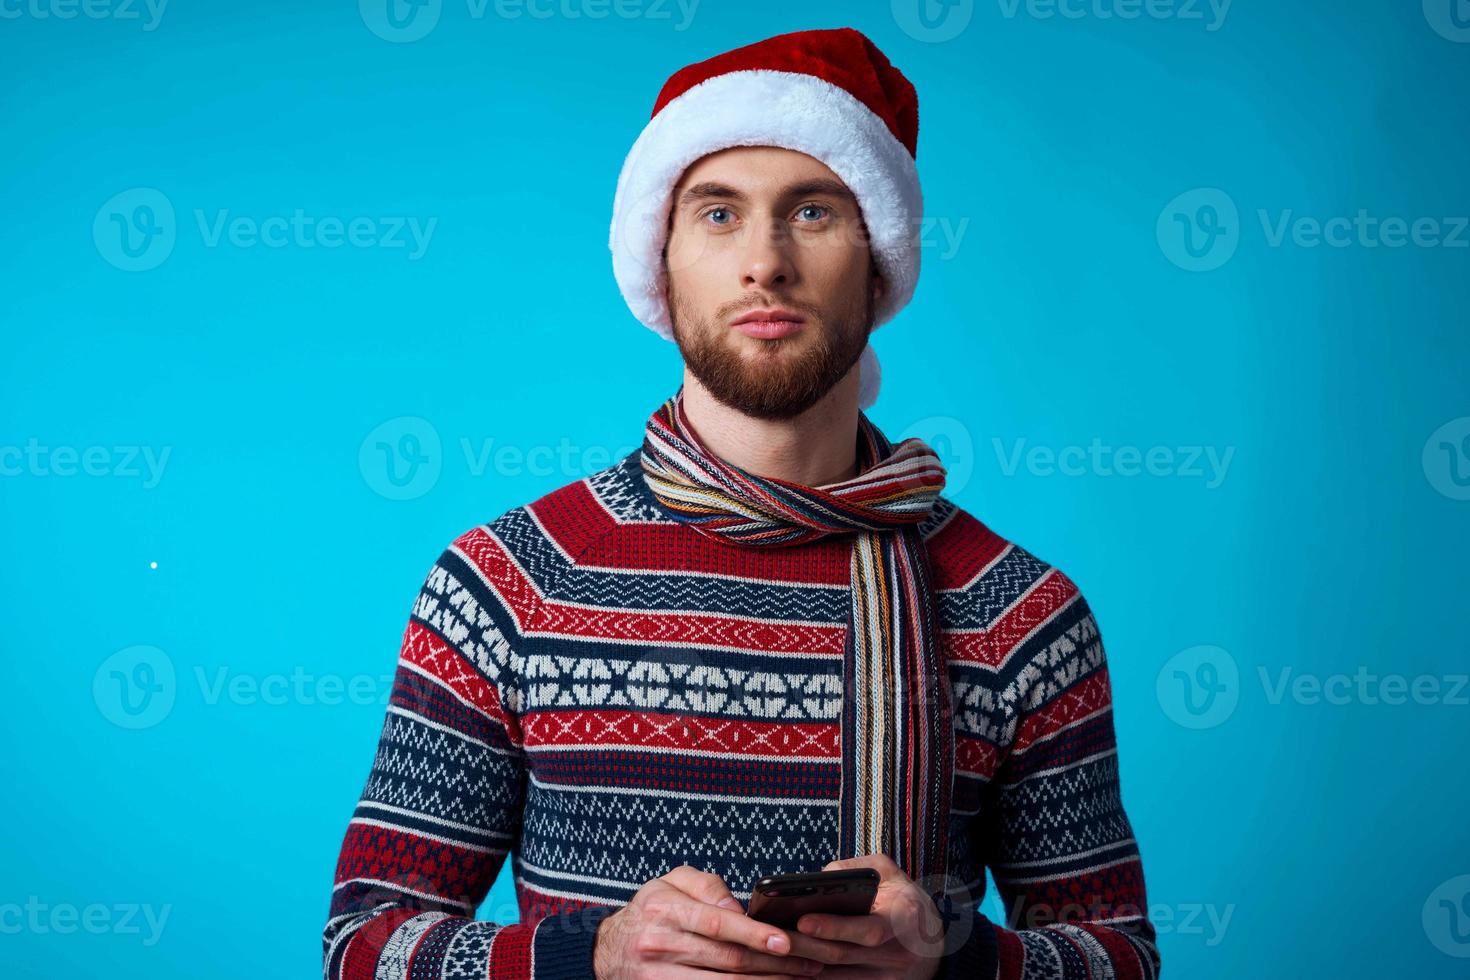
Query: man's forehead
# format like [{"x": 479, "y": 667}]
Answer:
[{"x": 759, "y": 171}]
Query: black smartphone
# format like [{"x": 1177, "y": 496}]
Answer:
[{"x": 781, "y": 900}]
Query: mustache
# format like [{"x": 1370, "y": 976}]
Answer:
[{"x": 735, "y": 309}]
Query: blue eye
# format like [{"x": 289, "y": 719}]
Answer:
[
  {"x": 816, "y": 207},
  {"x": 713, "y": 211}
]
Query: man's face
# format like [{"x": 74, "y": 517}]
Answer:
[{"x": 759, "y": 228}]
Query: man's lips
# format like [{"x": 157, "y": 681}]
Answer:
[{"x": 768, "y": 324}]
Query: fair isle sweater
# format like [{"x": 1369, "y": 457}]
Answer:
[{"x": 602, "y": 694}]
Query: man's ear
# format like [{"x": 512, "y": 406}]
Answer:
[{"x": 879, "y": 284}]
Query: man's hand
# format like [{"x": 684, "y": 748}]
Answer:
[
  {"x": 903, "y": 938},
  {"x": 684, "y": 925}
]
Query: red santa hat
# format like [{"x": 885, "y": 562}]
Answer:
[{"x": 830, "y": 94}]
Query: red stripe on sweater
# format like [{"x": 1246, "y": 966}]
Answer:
[
  {"x": 652, "y": 730},
  {"x": 1044, "y": 599},
  {"x": 534, "y": 615},
  {"x": 1122, "y": 954},
  {"x": 1012, "y": 955},
  {"x": 1078, "y": 701},
  {"x": 555, "y": 618},
  {"x": 968, "y": 647},
  {"x": 974, "y": 755},
  {"x": 360, "y": 960},
  {"x": 510, "y": 952},
  {"x": 574, "y": 519},
  {"x": 428, "y": 651},
  {"x": 406, "y": 860},
  {"x": 487, "y": 554},
  {"x": 537, "y": 905},
  {"x": 1115, "y": 891}
]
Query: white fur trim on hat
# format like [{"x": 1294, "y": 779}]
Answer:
[{"x": 762, "y": 107}]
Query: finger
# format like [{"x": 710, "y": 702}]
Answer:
[
  {"x": 710, "y": 954},
  {"x": 844, "y": 864},
  {"x": 885, "y": 960},
  {"x": 714, "y": 922},
  {"x": 881, "y": 863},
  {"x": 826, "y": 952},
  {"x": 703, "y": 885},
  {"x": 863, "y": 930}
]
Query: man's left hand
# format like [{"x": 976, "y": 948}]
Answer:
[{"x": 902, "y": 938}]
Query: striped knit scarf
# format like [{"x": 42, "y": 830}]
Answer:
[{"x": 897, "y": 734}]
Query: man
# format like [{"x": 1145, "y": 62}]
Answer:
[{"x": 763, "y": 643}]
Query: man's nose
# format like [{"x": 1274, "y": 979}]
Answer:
[{"x": 768, "y": 259}]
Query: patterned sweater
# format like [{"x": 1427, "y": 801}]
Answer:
[{"x": 603, "y": 694}]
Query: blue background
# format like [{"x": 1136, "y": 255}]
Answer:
[{"x": 1278, "y": 835}]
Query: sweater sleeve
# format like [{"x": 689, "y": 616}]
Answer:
[
  {"x": 1052, "y": 826},
  {"x": 443, "y": 804}
]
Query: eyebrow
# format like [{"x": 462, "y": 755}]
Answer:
[{"x": 817, "y": 185}]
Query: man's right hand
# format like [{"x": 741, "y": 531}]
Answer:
[{"x": 686, "y": 924}]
